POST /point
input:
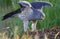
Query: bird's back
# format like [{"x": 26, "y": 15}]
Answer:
[{"x": 36, "y": 15}]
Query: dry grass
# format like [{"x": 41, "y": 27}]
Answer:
[{"x": 52, "y": 33}]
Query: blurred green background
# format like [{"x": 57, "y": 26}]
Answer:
[{"x": 52, "y": 15}]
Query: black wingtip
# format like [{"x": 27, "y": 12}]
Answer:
[
  {"x": 3, "y": 18},
  {"x": 8, "y": 15}
]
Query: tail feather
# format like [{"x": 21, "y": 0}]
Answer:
[
  {"x": 39, "y": 5},
  {"x": 11, "y": 14}
]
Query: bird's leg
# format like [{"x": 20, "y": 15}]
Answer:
[
  {"x": 34, "y": 25},
  {"x": 25, "y": 25}
]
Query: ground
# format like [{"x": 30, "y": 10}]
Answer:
[{"x": 52, "y": 33}]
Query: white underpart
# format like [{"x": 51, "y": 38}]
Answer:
[
  {"x": 25, "y": 25},
  {"x": 33, "y": 26}
]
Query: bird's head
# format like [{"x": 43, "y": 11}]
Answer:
[{"x": 24, "y": 4}]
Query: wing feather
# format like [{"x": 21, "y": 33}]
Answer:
[
  {"x": 11, "y": 14},
  {"x": 39, "y": 5}
]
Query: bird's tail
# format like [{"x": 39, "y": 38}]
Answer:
[{"x": 11, "y": 14}]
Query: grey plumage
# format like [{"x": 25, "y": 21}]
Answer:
[
  {"x": 36, "y": 15},
  {"x": 30, "y": 12},
  {"x": 39, "y": 5}
]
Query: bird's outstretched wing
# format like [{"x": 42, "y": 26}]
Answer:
[
  {"x": 11, "y": 14},
  {"x": 39, "y": 5}
]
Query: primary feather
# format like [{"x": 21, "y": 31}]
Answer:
[
  {"x": 11, "y": 14},
  {"x": 39, "y": 5}
]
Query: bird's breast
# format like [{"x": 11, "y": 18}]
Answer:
[{"x": 24, "y": 15}]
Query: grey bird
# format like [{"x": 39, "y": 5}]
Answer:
[{"x": 29, "y": 12}]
